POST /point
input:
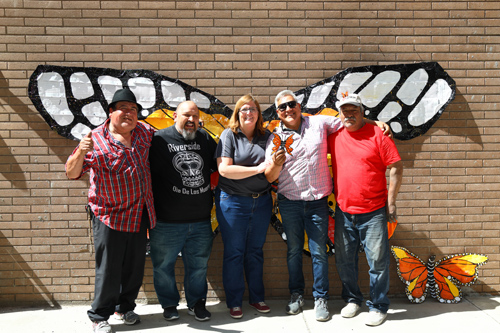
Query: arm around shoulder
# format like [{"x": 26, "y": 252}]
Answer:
[{"x": 386, "y": 129}]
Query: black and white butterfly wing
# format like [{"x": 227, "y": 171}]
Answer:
[
  {"x": 73, "y": 100},
  {"x": 409, "y": 97}
]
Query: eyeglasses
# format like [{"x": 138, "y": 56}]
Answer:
[
  {"x": 249, "y": 110},
  {"x": 291, "y": 105}
]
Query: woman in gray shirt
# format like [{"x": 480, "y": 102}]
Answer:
[{"x": 243, "y": 204}]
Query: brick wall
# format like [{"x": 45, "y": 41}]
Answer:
[{"x": 447, "y": 204}]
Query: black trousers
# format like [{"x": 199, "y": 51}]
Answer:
[{"x": 119, "y": 268}]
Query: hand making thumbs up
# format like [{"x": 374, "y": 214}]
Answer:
[{"x": 86, "y": 143}]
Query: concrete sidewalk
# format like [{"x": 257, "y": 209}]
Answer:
[{"x": 473, "y": 314}]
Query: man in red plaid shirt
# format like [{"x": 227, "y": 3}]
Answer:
[{"x": 121, "y": 206}]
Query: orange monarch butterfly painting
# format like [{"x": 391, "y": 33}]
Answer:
[
  {"x": 408, "y": 97},
  {"x": 283, "y": 144},
  {"x": 441, "y": 279}
]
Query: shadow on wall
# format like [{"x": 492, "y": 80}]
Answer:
[
  {"x": 11, "y": 169},
  {"x": 20, "y": 284},
  {"x": 462, "y": 122}
]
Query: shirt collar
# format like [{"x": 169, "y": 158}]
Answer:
[
  {"x": 284, "y": 128},
  {"x": 112, "y": 139}
]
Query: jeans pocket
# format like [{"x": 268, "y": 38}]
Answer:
[{"x": 224, "y": 196}]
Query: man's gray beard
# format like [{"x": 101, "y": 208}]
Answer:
[{"x": 188, "y": 135}]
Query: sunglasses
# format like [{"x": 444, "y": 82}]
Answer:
[{"x": 291, "y": 105}]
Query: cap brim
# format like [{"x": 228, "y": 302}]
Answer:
[
  {"x": 340, "y": 104},
  {"x": 345, "y": 103}
]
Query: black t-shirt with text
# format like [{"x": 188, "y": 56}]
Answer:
[{"x": 180, "y": 172}]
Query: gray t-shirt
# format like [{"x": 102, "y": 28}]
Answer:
[{"x": 246, "y": 153}]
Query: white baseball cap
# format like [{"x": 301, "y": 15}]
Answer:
[{"x": 353, "y": 99}]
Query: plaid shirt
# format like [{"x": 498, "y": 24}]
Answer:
[
  {"x": 305, "y": 174},
  {"x": 120, "y": 179}
]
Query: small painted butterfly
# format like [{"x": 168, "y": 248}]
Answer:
[
  {"x": 283, "y": 144},
  {"x": 441, "y": 279}
]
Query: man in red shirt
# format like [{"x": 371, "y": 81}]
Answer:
[
  {"x": 361, "y": 155},
  {"x": 120, "y": 204}
]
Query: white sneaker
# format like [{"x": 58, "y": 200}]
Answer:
[
  {"x": 321, "y": 309},
  {"x": 375, "y": 318},
  {"x": 101, "y": 327},
  {"x": 350, "y": 310}
]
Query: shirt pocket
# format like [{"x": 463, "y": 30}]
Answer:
[{"x": 115, "y": 162}]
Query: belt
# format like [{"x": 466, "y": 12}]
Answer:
[{"x": 254, "y": 195}]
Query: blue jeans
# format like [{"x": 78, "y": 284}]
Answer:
[
  {"x": 311, "y": 216},
  {"x": 194, "y": 242},
  {"x": 243, "y": 223},
  {"x": 369, "y": 229}
]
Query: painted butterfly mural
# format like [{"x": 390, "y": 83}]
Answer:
[
  {"x": 441, "y": 279},
  {"x": 409, "y": 97}
]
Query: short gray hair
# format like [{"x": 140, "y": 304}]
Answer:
[{"x": 284, "y": 93}]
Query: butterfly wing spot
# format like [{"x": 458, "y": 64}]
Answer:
[
  {"x": 418, "y": 300},
  {"x": 419, "y": 116},
  {"x": 53, "y": 98},
  {"x": 80, "y": 130}
]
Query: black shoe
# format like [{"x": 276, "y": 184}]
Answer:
[
  {"x": 170, "y": 313},
  {"x": 128, "y": 318},
  {"x": 199, "y": 311}
]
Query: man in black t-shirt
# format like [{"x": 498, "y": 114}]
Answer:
[{"x": 182, "y": 160}]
